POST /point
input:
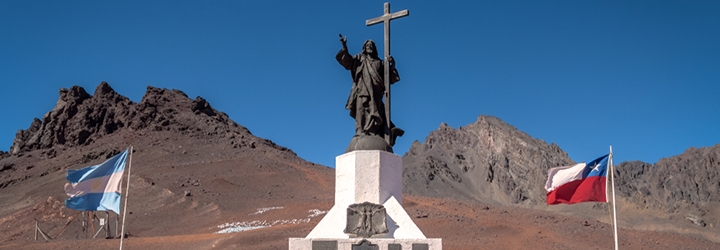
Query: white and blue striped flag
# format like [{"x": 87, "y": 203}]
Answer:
[{"x": 96, "y": 188}]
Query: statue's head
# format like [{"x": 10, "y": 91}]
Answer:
[{"x": 369, "y": 48}]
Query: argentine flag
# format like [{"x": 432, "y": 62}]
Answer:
[{"x": 96, "y": 188}]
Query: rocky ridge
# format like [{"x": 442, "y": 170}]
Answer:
[
  {"x": 79, "y": 118},
  {"x": 493, "y": 162},
  {"x": 685, "y": 185},
  {"x": 489, "y": 161},
  {"x": 692, "y": 177}
]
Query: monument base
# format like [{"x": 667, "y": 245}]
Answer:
[
  {"x": 376, "y": 244},
  {"x": 373, "y": 176}
]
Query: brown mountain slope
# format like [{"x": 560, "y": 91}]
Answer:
[{"x": 192, "y": 167}]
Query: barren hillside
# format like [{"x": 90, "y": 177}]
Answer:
[{"x": 200, "y": 181}]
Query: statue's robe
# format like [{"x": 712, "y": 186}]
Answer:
[{"x": 367, "y": 73}]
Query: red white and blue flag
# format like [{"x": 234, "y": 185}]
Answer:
[{"x": 579, "y": 183}]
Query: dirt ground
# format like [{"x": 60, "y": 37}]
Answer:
[{"x": 460, "y": 224}]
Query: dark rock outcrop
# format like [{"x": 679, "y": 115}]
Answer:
[
  {"x": 692, "y": 177},
  {"x": 489, "y": 161},
  {"x": 76, "y": 119},
  {"x": 79, "y": 119}
]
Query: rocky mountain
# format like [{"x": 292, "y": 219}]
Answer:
[
  {"x": 488, "y": 160},
  {"x": 692, "y": 177},
  {"x": 192, "y": 168},
  {"x": 79, "y": 118},
  {"x": 685, "y": 185},
  {"x": 493, "y": 162}
]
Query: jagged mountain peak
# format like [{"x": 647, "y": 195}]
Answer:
[
  {"x": 488, "y": 160},
  {"x": 79, "y": 118}
]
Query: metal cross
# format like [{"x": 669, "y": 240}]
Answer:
[{"x": 385, "y": 18}]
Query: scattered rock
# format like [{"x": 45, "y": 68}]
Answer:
[
  {"x": 6, "y": 166},
  {"x": 695, "y": 220}
]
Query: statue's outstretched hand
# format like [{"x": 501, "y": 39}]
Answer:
[
  {"x": 343, "y": 40},
  {"x": 391, "y": 60}
]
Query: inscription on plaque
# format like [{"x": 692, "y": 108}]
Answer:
[
  {"x": 324, "y": 245},
  {"x": 420, "y": 247},
  {"x": 394, "y": 247},
  {"x": 365, "y": 245}
]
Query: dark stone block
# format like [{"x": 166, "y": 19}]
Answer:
[
  {"x": 394, "y": 247},
  {"x": 324, "y": 245},
  {"x": 365, "y": 245},
  {"x": 420, "y": 247}
]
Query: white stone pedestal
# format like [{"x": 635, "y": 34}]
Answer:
[{"x": 367, "y": 176}]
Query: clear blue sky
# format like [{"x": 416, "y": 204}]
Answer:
[{"x": 642, "y": 76}]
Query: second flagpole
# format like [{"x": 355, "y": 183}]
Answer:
[
  {"x": 127, "y": 192},
  {"x": 612, "y": 180}
]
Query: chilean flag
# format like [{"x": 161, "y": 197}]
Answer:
[{"x": 580, "y": 183}]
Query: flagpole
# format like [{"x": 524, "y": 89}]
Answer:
[
  {"x": 607, "y": 193},
  {"x": 127, "y": 191},
  {"x": 612, "y": 178}
]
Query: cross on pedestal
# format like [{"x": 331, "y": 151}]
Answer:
[{"x": 385, "y": 18}]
